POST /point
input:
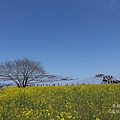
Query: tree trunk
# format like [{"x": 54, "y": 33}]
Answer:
[
  {"x": 25, "y": 82},
  {"x": 18, "y": 85}
]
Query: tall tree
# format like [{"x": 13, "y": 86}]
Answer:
[{"x": 21, "y": 71}]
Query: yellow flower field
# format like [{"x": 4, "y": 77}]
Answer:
[{"x": 80, "y": 102}]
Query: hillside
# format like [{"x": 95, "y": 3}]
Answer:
[{"x": 58, "y": 80}]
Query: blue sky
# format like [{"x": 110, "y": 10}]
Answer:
[{"x": 72, "y": 38}]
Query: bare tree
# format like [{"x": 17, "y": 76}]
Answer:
[{"x": 21, "y": 71}]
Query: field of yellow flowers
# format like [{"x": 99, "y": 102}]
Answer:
[{"x": 80, "y": 102}]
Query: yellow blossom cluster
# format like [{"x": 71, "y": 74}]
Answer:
[{"x": 79, "y": 102}]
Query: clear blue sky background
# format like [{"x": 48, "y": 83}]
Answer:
[{"x": 74, "y": 38}]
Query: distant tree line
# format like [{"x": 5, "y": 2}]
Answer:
[{"x": 108, "y": 78}]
